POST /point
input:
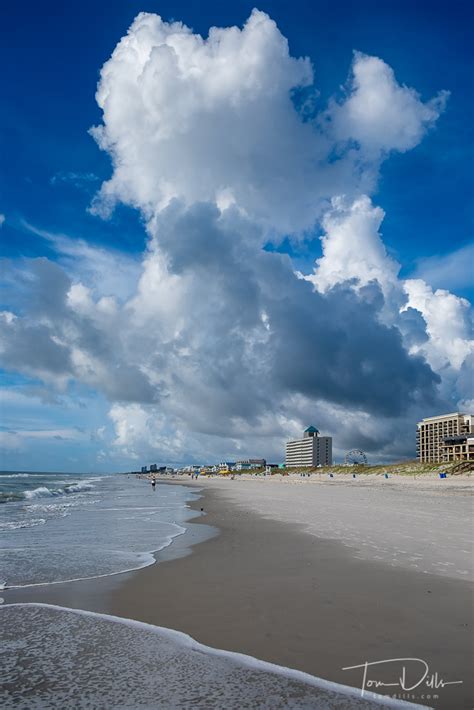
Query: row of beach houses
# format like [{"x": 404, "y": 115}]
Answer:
[
  {"x": 440, "y": 439},
  {"x": 310, "y": 450}
]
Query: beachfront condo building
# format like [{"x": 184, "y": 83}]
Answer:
[
  {"x": 448, "y": 437},
  {"x": 311, "y": 450}
]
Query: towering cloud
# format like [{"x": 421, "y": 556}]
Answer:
[
  {"x": 219, "y": 344},
  {"x": 213, "y": 120}
]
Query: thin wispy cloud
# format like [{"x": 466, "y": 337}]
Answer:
[
  {"x": 453, "y": 270},
  {"x": 81, "y": 181},
  {"x": 108, "y": 271}
]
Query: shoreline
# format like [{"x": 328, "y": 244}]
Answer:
[
  {"x": 422, "y": 526},
  {"x": 271, "y": 590}
]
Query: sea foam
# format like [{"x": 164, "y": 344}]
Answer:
[
  {"x": 19, "y": 524},
  {"x": 129, "y": 664}
]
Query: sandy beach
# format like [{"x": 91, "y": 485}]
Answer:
[
  {"x": 287, "y": 580},
  {"x": 423, "y": 523}
]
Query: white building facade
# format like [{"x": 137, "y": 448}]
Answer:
[{"x": 312, "y": 450}]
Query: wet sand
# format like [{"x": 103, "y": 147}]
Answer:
[{"x": 271, "y": 590}]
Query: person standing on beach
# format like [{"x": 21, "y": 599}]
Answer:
[{"x": 153, "y": 483}]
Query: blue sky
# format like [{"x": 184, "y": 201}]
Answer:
[{"x": 52, "y": 167}]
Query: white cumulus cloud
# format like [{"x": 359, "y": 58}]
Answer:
[
  {"x": 353, "y": 247},
  {"x": 212, "y": 119},
  {"x": 381, "y": 114},
  {"x": 448, "y": 324},
  {"x": 436, "y": 324}
]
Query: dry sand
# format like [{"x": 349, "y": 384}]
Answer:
[{"x": 424, "y": 524}]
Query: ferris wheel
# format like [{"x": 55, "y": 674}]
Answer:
[{"x": 355, "y": 457}]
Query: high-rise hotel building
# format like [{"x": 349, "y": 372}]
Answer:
[
  {"x": 311, "y": 450},
  {"x": 448, "y": 437}
]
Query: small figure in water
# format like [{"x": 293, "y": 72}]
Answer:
[{"x": 153, "y": 483}]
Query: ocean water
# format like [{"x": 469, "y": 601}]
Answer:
[
  {"x": 60, "y": 527},
  {"x": 54, "y": 657}
]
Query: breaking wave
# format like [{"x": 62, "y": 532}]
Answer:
[
  {"x": 18, "y": 524},
  {"x": 45, "y": 492}
]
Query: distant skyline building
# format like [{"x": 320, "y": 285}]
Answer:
[
  {"x": 311, "y": 450},
  {"x": 445, "y": 438}
]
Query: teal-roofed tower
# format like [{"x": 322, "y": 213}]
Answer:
[{"x": 312, "y": 450}]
